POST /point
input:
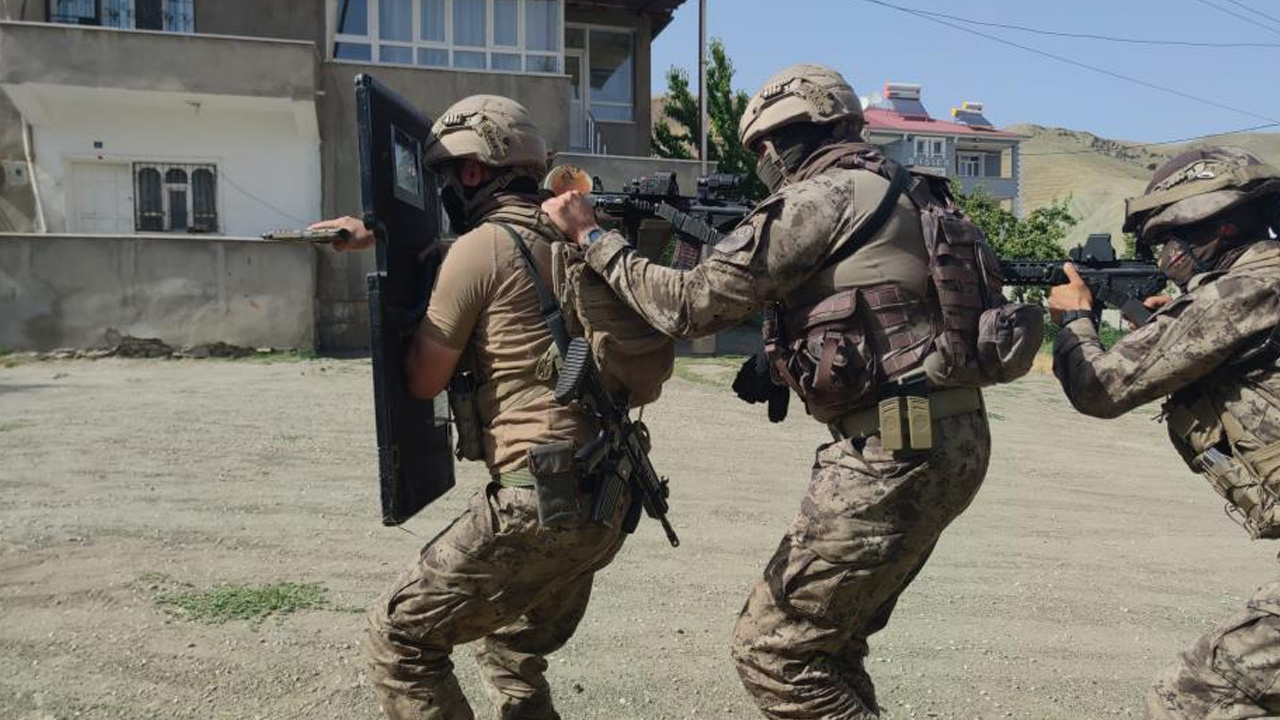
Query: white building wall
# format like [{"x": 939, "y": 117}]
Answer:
[{"x": 267, "y": 150}]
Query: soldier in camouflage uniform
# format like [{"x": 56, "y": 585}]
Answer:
[
  {"x": 1208, "y": 216},
  {"x": 871, "y": 515},
  {"x": 496, "y": 575}
]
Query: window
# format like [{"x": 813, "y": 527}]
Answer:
[
  {"x": 175, "y": 198},
  {"x": 970, "y": 165},
  {"x": 930, "y": 147},
  {"x": 610, "y": 67},
  {"x": 504, "y": 35},
  {"x": 168, "y": 15}
]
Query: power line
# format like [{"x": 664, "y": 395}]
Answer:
[
  {"x": 1135, "y": 146},
  {"x": 1094, "y": 36},
  {"x": 1255, "y": 11},
  {"x": 1235, "y": 14},
  {"x": 258, "y": 199},
  {"x": 1077, "y": 63}
]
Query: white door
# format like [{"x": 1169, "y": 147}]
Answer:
[
  {"x": 103, "y": 197},
  {"x": 577, "y": 92}
]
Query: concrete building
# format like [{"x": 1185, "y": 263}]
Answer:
[
  {"x": 966, "y": 147},
  {"x": 211, "y": 121}
]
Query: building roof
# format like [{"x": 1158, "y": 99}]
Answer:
[
  {"x": 660, "y": 11},
  {"x": 890, "y": 121}
]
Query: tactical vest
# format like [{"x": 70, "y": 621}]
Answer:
[
  {"x": 1241, "y": 466},
  {"x": 937, "y": 312},
  {"x": 633, "y": 358}
]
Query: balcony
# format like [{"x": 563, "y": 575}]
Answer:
[{"x": 36, "y": 56}]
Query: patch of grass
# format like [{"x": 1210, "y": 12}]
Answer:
[
  {"x": 1108, "y": 334},
  {"x": 244, "y": 602},
  {"x": 714, "y": 371},
  {"x": 994, "y": 415},
  {"x": 15, "y": 425}
]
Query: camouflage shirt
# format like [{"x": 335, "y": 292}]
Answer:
[
  {"x": 773, "y": 254},
  {"x": 1222, "y": 315}
]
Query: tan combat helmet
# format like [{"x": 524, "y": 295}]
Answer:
[
  {"x": 492, "y": 130},
  {"x": 1197, "y": 185},
  {"x": 800, "y": 93}
]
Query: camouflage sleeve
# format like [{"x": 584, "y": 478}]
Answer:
[
  {"x": 771, "y": 252},
  {"x": 1183, "y": 343}
]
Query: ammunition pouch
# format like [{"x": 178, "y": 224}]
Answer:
[
  {"x": 905, "y": 415},
  {"x": 1009, "y": 337},
  {"x": 466, "y": 415},
  {"x": 568, "y": 495},
  {"x": 1213, "y": 444},
  {"x": 823, "y": 352},
  {"x": 555, "y": 482}
]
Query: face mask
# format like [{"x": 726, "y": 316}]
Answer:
[
  {"x": 769, "y": 170},
  {"x": 455, "y": 209}
]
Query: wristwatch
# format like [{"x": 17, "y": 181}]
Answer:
[
  {"x": 594, "y": 235},
  {"x": 1071, "y": 316}
]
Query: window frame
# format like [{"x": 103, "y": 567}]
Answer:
[
  {"x": 417, "y": 43},
  {"x": 587, "y": 102},
  {"x": 978, "y": 159}
]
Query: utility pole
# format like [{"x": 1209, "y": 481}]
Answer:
[{"x": 704, "y": 345}]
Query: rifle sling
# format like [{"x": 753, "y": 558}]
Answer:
[
  {"x": 547, "y": 304},
  {"x": 875, "y": 221}
]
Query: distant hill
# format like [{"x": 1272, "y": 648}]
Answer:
[{"x": 1098, "y": 173}]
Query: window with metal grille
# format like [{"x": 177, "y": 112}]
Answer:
[
  {"x": 168, "y": 15},
  {"x": 175, "y": 198}
]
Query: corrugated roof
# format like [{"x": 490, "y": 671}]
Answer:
[{"x": 880, "y": 119}]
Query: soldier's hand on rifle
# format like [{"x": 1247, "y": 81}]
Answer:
[
  {"x": 359, "y": 237},
  {"x": 1075, "y": 295},
  {"x": 573, "y": 214}
]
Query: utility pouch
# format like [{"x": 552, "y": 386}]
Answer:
[
  {"x": 823, "y": 352},
  {"x": 1009, "y": 337},
  {"x": 556, "y": 484},
  {"x": 466, "y": 415}
]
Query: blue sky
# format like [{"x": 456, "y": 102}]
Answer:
[{"x": 871, "y": 44}]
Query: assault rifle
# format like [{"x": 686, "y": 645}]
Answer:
[
  {"x": 620, "y": 453},
  {"x": 698, "y": 220},
  {"x": 1123, "y": 284}
]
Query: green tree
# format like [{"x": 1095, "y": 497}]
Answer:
[
  {"x": 724, "y": 109},
  {"x": 1037, "y": 236}
]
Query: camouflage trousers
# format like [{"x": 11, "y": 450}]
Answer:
[
  {"x": 866, "y": 526},
  {"x": 497, "y": 576},
  {"x": 1231, "y": 673}
]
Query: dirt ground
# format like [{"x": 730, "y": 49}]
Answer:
[{"x": 1089, "y": 559}]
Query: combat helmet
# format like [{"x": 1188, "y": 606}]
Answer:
[
  {"x": 800, "y": 93},
  {"x": 1197, "y": 185},
  {"x": 492, "y": 130}
]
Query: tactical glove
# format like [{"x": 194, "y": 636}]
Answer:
[{"x": 754, "y": 384}]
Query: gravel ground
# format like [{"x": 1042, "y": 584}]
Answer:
[{"x": 1089, "y": 559}]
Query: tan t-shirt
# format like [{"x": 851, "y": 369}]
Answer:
[{"x": 484, "y": 297}]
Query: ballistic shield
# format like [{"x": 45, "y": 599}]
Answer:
[{"x": 401, "y": 207}]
